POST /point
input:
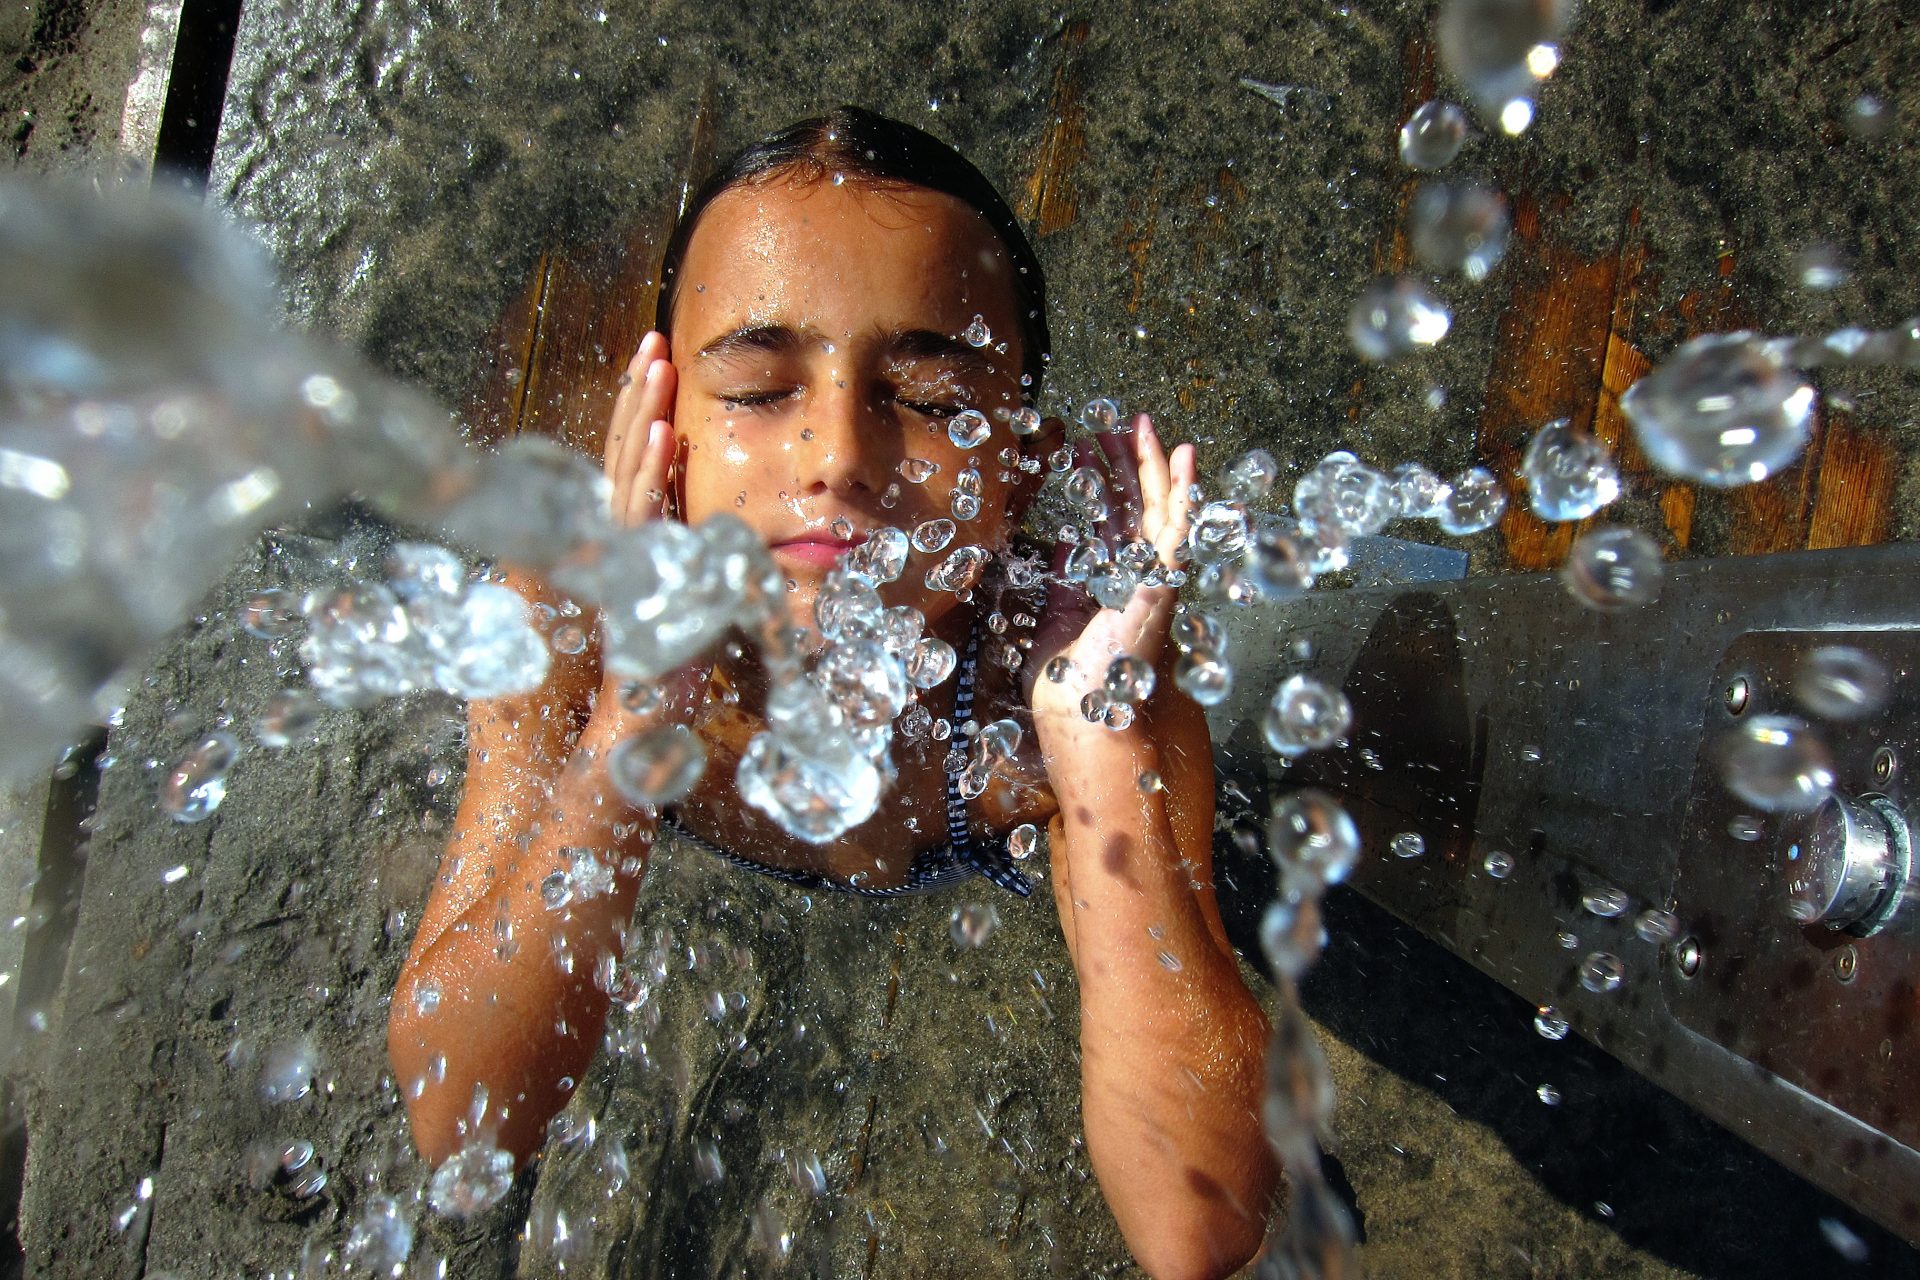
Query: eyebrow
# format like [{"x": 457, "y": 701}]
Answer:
[{"x": 894, "y": 344}]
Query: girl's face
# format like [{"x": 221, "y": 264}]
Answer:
[{"x": 821, "y": 337}]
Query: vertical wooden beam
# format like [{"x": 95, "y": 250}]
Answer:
[{"x": 1050, "y": 200}]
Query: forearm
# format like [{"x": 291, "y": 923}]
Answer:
[
  {"x": 505, "y": 995},
  {"x": 1172, "y": 1042}
]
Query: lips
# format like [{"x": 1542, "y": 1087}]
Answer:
[{"x": 817, "y": 549}]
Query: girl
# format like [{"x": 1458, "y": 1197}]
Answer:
[{"x": 832, "y": 299}]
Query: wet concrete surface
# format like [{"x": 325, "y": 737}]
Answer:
[{"x": 414, "y": 167}]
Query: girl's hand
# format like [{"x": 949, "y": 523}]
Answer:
[
  {"x": 642, "y": 448},
  {"x": 1149, "y": 497},
  {"x": 642, "y": 461}
]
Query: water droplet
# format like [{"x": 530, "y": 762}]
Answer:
[
  {"x": 381, "y": 1239},
  {"x": 1868, "y": 118},
  {"x": 1310, "y": 833},
  {"x": 1344, "y": 497},
  {"x": 930, "y": 662},
  {"x": 1498, "y": 864},
  {"x": 1775, "y": 763},
  {"x": 1170, "y": 962},
  {"x": 1396, "y": 317},
  {"x": 288, "y": 716},
  {"x": 569, "y": 638},
  {"x": 1459, "y": 228},
  {"x": 1501, "y": 50},
  {"x": 1417, "y": 492},
  {"x": 287, "y": 1071},
  {"x": 1474, "y": 503},
  {"x": 1656, "y": 925},
  {"x": 972, "y": 924},
  {"x": 1021, "y": 841},
  {"x": 1100, "y": 415},
  {"x": 1202, "y": 677},
  {"x": 657, "y": 766},
  {"x": 1408, "y": 844},
  {"x": 1250, "y": 477},
  {"x": 1839, "y": 682},
  {"x": 1570, "y": 473},
  {"x": 934, "y": 535},
  {"x": 968, "y": 429},
  {"x": 1550, "y": 1023},
  {"x": 1086, "y": 492},
  {"x": 1058, "y": 668},
  {"x": 1725, "y": 409},
  {"x": 197, "y": 783},
  {"x": 1433, "y": 135},
  {"x": 1601, "y": 972},
  {"x": 1129, "y": 679},
  {"x": 271, "y": 614},
  {"x": 1606, "y": 902},
  {"x": 1819, "y": 266},
  {"x": 977, "y": 334},
  {"x": 1219, "y": 533},
  {"x": 1745, "y": 827},
  {"x": 1613, "y": 568},
  {"x": 917, "y": 470},
  {"x": 1844, "y": 1240},
  {"x": 1306, "y": 714},
  {"x": 1548, "y": 1094},
  {"x": 473, "y": 1180}
]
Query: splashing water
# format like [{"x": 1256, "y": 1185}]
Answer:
[
  {"x": 1613, "y": 568},
  {"x": 1460, "y": 228},
  {"x": 1725, "y": 409},
  {"x": 1839, "y": 682},
  {"x": 1570, "y": 474},
  {"x": 1433, "y": 136},
  {"x": 1501, "y": 50},
  {"x": 1775, "y": 763},
  {"x": 1396, "y": 317}
]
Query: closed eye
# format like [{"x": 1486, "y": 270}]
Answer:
[{"x": 754, "y": 399}]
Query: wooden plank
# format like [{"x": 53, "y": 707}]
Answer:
[
  {"x": 562, "y": 344},
  {"x": 1853, "y": 494},
  {"x": 1051, "y": 201}
]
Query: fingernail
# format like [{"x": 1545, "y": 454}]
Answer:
[
  {"x": 1144, "y": 425},
  {"x": 653, "y": 371}
]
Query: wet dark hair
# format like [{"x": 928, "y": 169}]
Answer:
[{"x": 869, "y": 147}]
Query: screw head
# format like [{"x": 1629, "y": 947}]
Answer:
[
  {"x": 1885, "y": 764},
  {"x": 1737, "y": 694},
  {"x": 1846, "y": 963}
]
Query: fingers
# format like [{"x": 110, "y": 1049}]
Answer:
[
  {"x": 1123, "y": 480},
  {"x": 1182, "y": 472},
  {"x": 640, "y": 438},
  {"x": 1150, "y": 459}
]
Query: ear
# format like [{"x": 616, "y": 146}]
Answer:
[{"x": 1041, "y": 444}]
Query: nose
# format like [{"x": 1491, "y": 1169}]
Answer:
[{"x": 843, "y": 448}]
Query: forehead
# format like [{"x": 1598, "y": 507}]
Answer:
[{"x": 841, "y": 255}]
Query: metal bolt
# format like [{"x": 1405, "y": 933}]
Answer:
[
  {"x": 1737, "y": 694},
  {"x": 1885, "y": 764},
  {"x": 1846, "y": 963},
  {"x": 1686, "y": 957}
]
